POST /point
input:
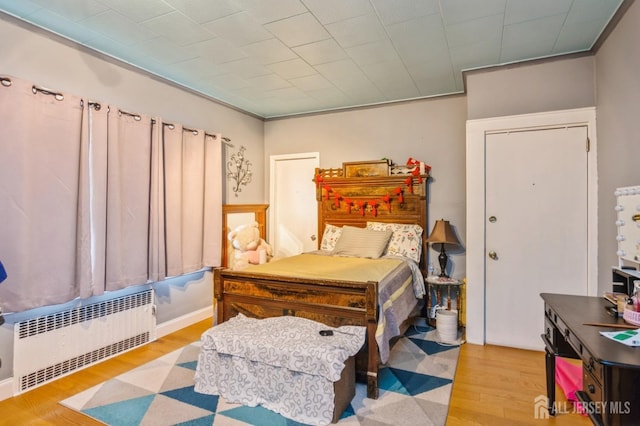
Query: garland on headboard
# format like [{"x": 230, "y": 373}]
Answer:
[{"x": 373, "y": 204}]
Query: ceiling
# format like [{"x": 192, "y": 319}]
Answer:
[{"x": 275, "y": 58}]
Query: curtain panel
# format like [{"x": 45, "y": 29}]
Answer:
[{"x": 95, "y": 199}]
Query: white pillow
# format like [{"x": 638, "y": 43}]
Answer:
[
  {"x": 406, "y": 239},
  {"x": 330, "y": 236},
  {"x": 362, "y": 242}
]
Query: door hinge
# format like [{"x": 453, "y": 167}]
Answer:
[{"x": 588, "y": 144}]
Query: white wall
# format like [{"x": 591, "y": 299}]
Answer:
[
  {"x": 618, "y": 113},
  {"x": 431, "y": 130}
]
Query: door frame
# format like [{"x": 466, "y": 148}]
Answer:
[
  {"x": 273, "y": 189},
  {"x": 476, "y": 213}
]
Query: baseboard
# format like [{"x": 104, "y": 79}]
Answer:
[
  {"x": 6, "y": 389},
  {"x": 176, "y": 324}
]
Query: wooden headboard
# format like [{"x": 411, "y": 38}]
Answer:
[{"x": 356, "y": 200}]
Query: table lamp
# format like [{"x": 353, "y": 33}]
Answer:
[{"x": 443, "y": 234}]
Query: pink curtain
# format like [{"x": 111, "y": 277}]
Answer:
[
  {"x": 41, "y": 158},
  {"x": 95, "y": 199},
  {"x": 192, "y": 192}
]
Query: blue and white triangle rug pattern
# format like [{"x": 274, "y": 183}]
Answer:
[{"x": 415, "y": 388}]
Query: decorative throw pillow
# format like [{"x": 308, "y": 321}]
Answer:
[
  {"x": 362, "y": 242},
  {"x": 329, "y": 237},
  {"x": 406, "y": 239}
]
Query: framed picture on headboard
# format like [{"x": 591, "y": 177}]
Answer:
[{"x": 366, "y": 168}]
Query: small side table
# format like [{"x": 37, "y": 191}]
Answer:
[{"x": 435, "y": 283}]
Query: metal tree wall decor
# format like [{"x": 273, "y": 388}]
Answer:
[{"x": 239, "y": 170}]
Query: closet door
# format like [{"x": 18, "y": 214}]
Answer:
[
  {"x": 536, "y": 228},
  {"x": 293, "y": 219}
]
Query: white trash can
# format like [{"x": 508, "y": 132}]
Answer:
[{"x": 447, "y": 325}]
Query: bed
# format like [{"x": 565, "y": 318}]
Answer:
[{"x": 377, "y": 203}]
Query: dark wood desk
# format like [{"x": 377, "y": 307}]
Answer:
[{"x": 611, "y": 371}]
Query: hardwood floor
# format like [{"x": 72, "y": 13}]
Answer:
[{"x": 493, "y": 386}]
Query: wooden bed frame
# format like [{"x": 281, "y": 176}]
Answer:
[{"x": 393, "y": 199}]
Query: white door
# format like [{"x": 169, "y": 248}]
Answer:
[
  {"x": 293, "y": 223},
  {"x": 536, "y": 228}
]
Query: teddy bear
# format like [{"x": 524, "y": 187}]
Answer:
[{"x": 247, "y": 245}]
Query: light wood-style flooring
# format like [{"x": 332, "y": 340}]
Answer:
[{"x": 493, "y": 386}]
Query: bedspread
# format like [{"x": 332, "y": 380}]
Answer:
[{"x": 400, "y": 284}]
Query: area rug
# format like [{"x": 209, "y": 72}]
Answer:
[{"x": 415, "y": 388}]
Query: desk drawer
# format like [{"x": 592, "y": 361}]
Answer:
[
  {"x": 591, "y": 386},
  {"x": 564, "y": 342}
]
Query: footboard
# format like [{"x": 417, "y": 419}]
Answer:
[{"x": 335, "y": 303}]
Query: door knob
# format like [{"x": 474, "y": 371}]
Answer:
[
  {"x": 493, "y": 255},
  {"x": 313, "y": 238},
  {"x": 493, "y": 219}
]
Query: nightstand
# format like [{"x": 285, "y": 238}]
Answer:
[{"x": 436, "y": 284}]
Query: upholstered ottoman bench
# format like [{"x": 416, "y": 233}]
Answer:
[{"x": 284, "y": 364}]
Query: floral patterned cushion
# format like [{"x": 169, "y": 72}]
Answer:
[
  {"x": 330, "y": 236},
  {"x": 406, "y": 239}
]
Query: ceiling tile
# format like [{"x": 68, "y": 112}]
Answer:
[
  {"x": 526, "y": 10},
  {"x": 329, "y": 11},
  {"x": 240, "y": 29},
  {"x": 73, "y": 10},
  {"x": 590, "y": 11},
  {"x": 393, "y": 12},
  {"x": 369, "y": 29},
  {"x": 373, "y": 53},
  {"x": 481, "y": 30},
  {"x": 269, "y": 51},
  {"x": 416, "y": 32},
  {"x": 60, "y": 25},
  {"x": 272, "y": 10},
  {"x": 139, "y": 10},
  {"x": 311, "y": 82},
  {"x": 22, "y": 8},
  {"x": 531, "y": 39},
  {"x": 321, "y": 52},
  {"x": 576, "y": 37},
  {"x": 268, "y": 82},
  {"x": 178, "y": 28},
  {"x": 457, "y": 11},
  {"x": 246, "y": 68},
  {"x": 475, "y": 55},
  {"x": 217, "y": 50},
  {"x": 205, "y": 10},
  {"x": 118, "y": 27},
  {"x": 292, "y": 69},
  {"x": 164, "y": 51},
  {"x": 297, "y": 30}
]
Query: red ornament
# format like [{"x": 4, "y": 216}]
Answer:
[
  {"x": 409, "y": 182},
  {"x": 337, "y": 197},
  {"x": 416, "y": 173},
  {"x": 318, "y": 180},
  {"x": 361, "y": 205},
  {"x": 349, "y": 203},
  {"x": 387, "y": 200},
  {"x": 327, "y": 189},
  {"x": 398, "y": 192},
  {"x": 374, "y": 207}
]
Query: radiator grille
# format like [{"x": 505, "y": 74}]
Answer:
[{"x": 80, "y": 337}]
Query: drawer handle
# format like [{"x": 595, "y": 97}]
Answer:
[
  {"x": 566, "y": 334},
  {"x": 592, "y": 389}
]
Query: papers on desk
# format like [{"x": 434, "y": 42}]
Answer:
[{"x": 626, "y": 337}]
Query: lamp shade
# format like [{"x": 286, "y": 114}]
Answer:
[{"x": 442, "y": 233}]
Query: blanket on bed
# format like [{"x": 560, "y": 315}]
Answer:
[{"x": 400, "y": 284}]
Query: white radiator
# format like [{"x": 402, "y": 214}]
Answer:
[{"x": 54, "y": 345}]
